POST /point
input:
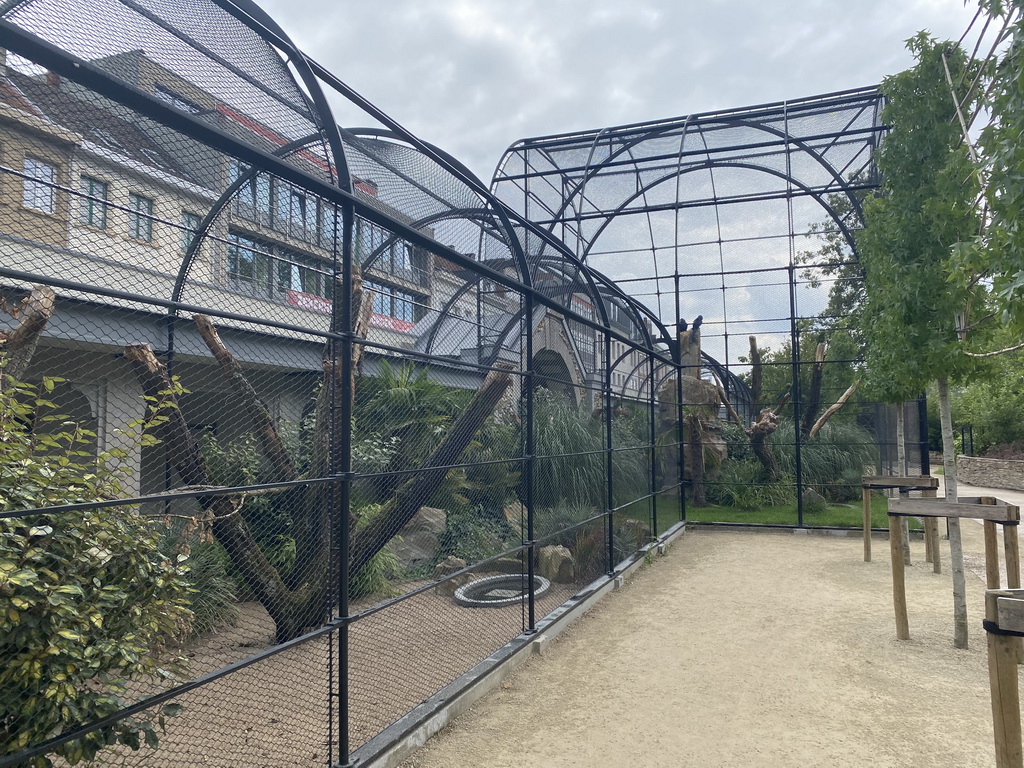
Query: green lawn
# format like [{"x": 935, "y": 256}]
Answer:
[{"x": 846, "y": 516}]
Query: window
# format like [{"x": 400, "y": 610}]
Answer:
[
  {"x": 140, "y": 217},
  {"x": 390, "y": 255},
  {"x": 266, "y": 269},
  {"x": 176, "y": 99},
  {"x": 189, "y": 226},
  {"x": 39, "y": 192},
  {"x": 93, "y": 210},
  {"x": 394, "y": 303}
]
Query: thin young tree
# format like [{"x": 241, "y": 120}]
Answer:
[{"x": 912, "y": 310}]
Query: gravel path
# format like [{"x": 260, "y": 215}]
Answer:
[{"x": 748, "y": 649}]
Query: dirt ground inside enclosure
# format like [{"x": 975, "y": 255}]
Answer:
[{"x": 748, "y": 649}]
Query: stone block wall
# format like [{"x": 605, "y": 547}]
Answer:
[{"x": 991, "y": 473}]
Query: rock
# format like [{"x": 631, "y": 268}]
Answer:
[
  {"x": 814, "y": 501},
  {"x": 515, "y": 513},
  {"x": 447, "y": 567},
  {"x": 556, "y": 564},
  {"x": 509, "y": 565},
  {"x": 417, "y": 542}
]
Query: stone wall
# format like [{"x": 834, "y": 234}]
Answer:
[{"x": 991, "y": 473}]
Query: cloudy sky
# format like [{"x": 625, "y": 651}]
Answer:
[{"x": 472, "y": 76}]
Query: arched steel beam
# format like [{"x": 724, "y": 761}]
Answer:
[
  {"x": 225, "y": 198},
  {"x": 711, "y": 165},
  {"x": 254, "y": 17},
  {"x": 640, "y": 138}
]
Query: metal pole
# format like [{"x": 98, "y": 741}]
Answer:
[
  {"x": 681, "y": 458},
  {"x": 654, "y": 451},
  {"x": 608, "y": 450},
  {"x": 795, "y": 366},
  {"x": 531, "y": 550},
  {"x": 341, "y": 467}
]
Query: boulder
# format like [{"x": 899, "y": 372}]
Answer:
[
  {"x": 417, "y": 542},
  {"x": 814, "y": 501},
  {"x": 555, "y": 563},
  {"x": 447, "y": 567}
]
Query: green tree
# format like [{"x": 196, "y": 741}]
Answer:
[{"x": 912, "y": 312}]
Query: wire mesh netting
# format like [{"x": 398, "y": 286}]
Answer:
[{"x": 302, "y": 424}]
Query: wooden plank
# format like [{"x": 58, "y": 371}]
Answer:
[
  {"x": 1000, "y": 513},
  {"x": 867, "y": 525},
  {"x": 1002, "y": 675},
  {"x": 899, "y": 586},
  {"x": 912, "y": 482},
  {"x": 1010, "y": 612}
]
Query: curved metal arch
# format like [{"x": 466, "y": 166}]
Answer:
[
  {"x": 500, "y": 211},
  {"x": 640, "y": 138},
  {"x": 260, "y": 22},
  {"x": 711, "y": 165},
  {"x": 218, "y": 207},
  {"x": 479, "y": 215}
]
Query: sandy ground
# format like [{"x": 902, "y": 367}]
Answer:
[{"x": 749, "y": 649}]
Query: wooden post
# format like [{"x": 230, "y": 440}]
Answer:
[
  {"x": 867, "y": 525},
  {"x": 899, "y": 587},
  {"x": 991, "y": 555},
  {"x": 931, "y": 531},
  {"x": 1002, "y": 676},
  {"x": 1012, "y": 552},
  {"x": 928, "y": 554}
]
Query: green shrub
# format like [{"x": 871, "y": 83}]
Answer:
[
  {"x": 88, "y": 600},
  {"x": 741, "y": 484},
  {"x": 377, "y": 577}
]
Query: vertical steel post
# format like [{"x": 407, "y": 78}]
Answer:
[
  {"x": 528, "y": 382},
  {"x": 795, "y": 366},
  {"x": 654, "y": 449},
  {"x": 610, "y": 444},
  {"x": 341, "y": 464},
  {"x": 680, "y": 427}
]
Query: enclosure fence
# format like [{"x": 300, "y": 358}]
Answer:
[{"x": 300, "y": 423}]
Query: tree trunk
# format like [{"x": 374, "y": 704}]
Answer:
[
  {"x": 402, "y": 507},
  {"x": 901, "y": 471},
  {"x": 291, "y": 609},
  {"x": 767, "y": 422},
  {"x": 832, "y": 409},
  {"x": 19, "y": 344},
  {"x": 956, "y": 549},
  {"x": 814, "y": 393},
  {"x": 755, "y": 376},
  {"x": 696, "y": 448},
  {"x": 263, "y": 425}
]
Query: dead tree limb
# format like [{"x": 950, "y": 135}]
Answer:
[
  {"x": 814, "y": 392},
  {"x": 767, "y": 422},
  {"x": 400, "y": 509},
  {"x": 832, "y": 409},
  {"x": 263, "y": 425},
  {"x": 755, "y": 375},
  {"x": 19, "y": 344},
  {"x": 289, "y": 608},
  {"x": 733, "y": 416}
]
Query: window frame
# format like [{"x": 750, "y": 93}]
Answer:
[
  {"x": 93, "y": 207},
  {"x": 140, "y": 222},
  {"x": 36, "y": 188}
]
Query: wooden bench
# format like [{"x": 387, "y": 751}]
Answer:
[{"x": 989, "y": 509}]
